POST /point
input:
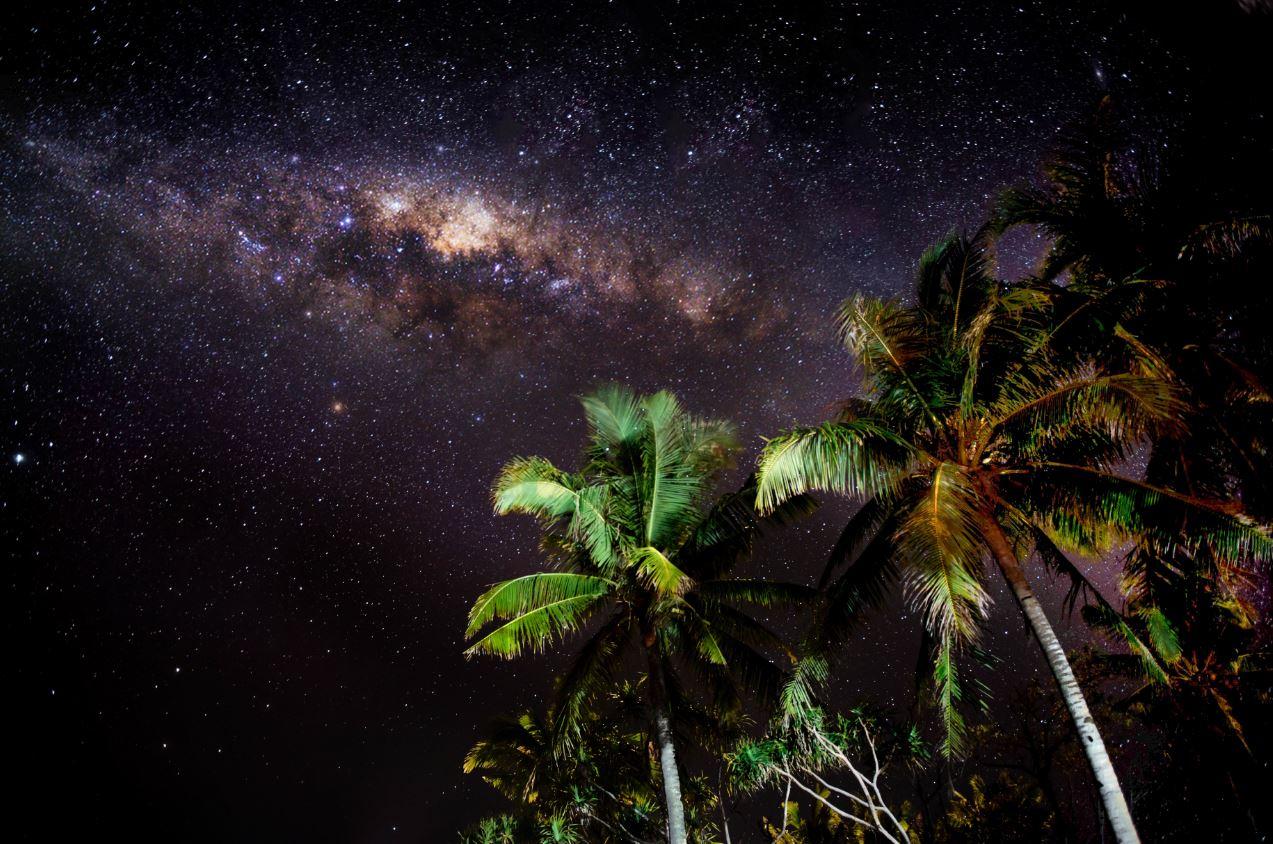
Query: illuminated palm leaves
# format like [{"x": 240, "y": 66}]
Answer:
[
  {"x": 941, "y": 542},
  {"x": 634, "y": 538},
  {"x": 535, "y": 487},
  {"x": 1040, "y": 409},
  {"x": 858, "y": 457},
  {"x": 969, "y": 418},
  {"x": 537, "y": 609}
]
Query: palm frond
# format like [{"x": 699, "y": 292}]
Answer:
[
  {"x": 1162, "y": 633},
  {"x": 660, "y": 573},
  {"x": 614, "y": 417},
  {"x": 1038, "y": 407},
  {"x": 1055, "y": 560},
  {"x": 940, "y": 542},
  {"x": 861, "y": 528},
  {"x": 862, "y": 586},
  {"x": 671, "y": 488},
  {"x": 542, "y": 608},
  {"x": 513, "y": 597},
  {"x": 535, "y": 487},
  {"x": 1104, "y": 617},
  {"x": 1227, "y": 238},
  {"x": 1089, "y": 509},
  {"x": 885, "y": 338},
  {"x": 949, "y": 694},
  {"x": 761, "y": 593},
  {"x": 858, "y": 457}
]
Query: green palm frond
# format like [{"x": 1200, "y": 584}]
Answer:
[
  {"x": 1037, "y": 407},
  {"x": 1105, "y": 617},
  {"x": 1098, "y": 612},
  {"x": 859, "y": 457},
  {"x": 510, "y": 755},
  {"x": 614, "y": 417},
  {"x": 940, "y": 540},
  {"x": 519, "y": 595},
  {"x": 799, "y": 694},
  {"x": 535, "y": 487},
  {"x": 541, "y": 607},
  {"x": 1162, "y": 634},
  {"x": 761, "y": 593},
  {"x": 660, "y": 573},
  {"x": 949, "y": 693},
  {"x": 671, "y": 487},
  {"x": 1088, "y": 510}
]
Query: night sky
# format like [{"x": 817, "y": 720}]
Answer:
[{"x": 283, "y": 286}]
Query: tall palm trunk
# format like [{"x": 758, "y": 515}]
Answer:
[
  {"x": 667, "y": 750},
  {"x": 1120, "y": 818}
]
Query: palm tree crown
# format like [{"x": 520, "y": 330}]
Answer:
[
  {"x": 975, "y": 441},
  {"x": 633, "y": 536}
]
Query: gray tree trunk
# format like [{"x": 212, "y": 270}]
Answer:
[
  {"x": 1120, "y": 817},
  {"x": 676, "y": 833}
]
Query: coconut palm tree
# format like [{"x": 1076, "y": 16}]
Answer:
[
  {"x": 633, "y": 539},
  {"x": 606, "y": 787},
  {"x": 1171, "y": 242},
  {"x": 972, "y": 440},
  {"x": 1171, "y": 250}
]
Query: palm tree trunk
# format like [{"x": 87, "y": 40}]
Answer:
[
  {"x": 667, "y": 751},
  {"x": 1120, "y": 818}
]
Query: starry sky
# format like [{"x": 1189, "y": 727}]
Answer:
[{"x": 284, "y": 284}]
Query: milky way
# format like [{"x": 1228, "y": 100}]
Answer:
[{"x": 285, "y": 286}]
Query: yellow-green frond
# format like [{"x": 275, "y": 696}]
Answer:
[
  {"x": 858, "y": 457},
  {"x": 540, "y": 608},
  {"x": 660, "y": 573},
  {"x": 940, "y": 543}
]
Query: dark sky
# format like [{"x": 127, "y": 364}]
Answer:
[{"x": 284, "y": 284}]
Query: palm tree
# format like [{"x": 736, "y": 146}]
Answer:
[
  {"x": 973, "y": 440},
  {"x": 1172, "y": 250},
  {"x": 1172, "y": 242},
  {"x": 605, "y": 787},
  {"x": 632, "y": 537}
]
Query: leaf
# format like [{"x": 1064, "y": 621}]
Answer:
[
  {"x": 660, "y": 573},
  {"x": 1105, "y": 617},
  {"x": 520, "y": 594},
  {"x": 1162, "y": 635},
  {"x": 949, "y": 694},
  {"x": 542, "y": 607},
  {"x": 672, "y": 487},
  {"x": 535, "y": 487},
  {"x": 762, "y": 593},
  {"x": 940, "y": 542},
  {"x": 614, "y": 416},
  {"x": 858, "y": 457},
  {"x": 590, "y": 672}
]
